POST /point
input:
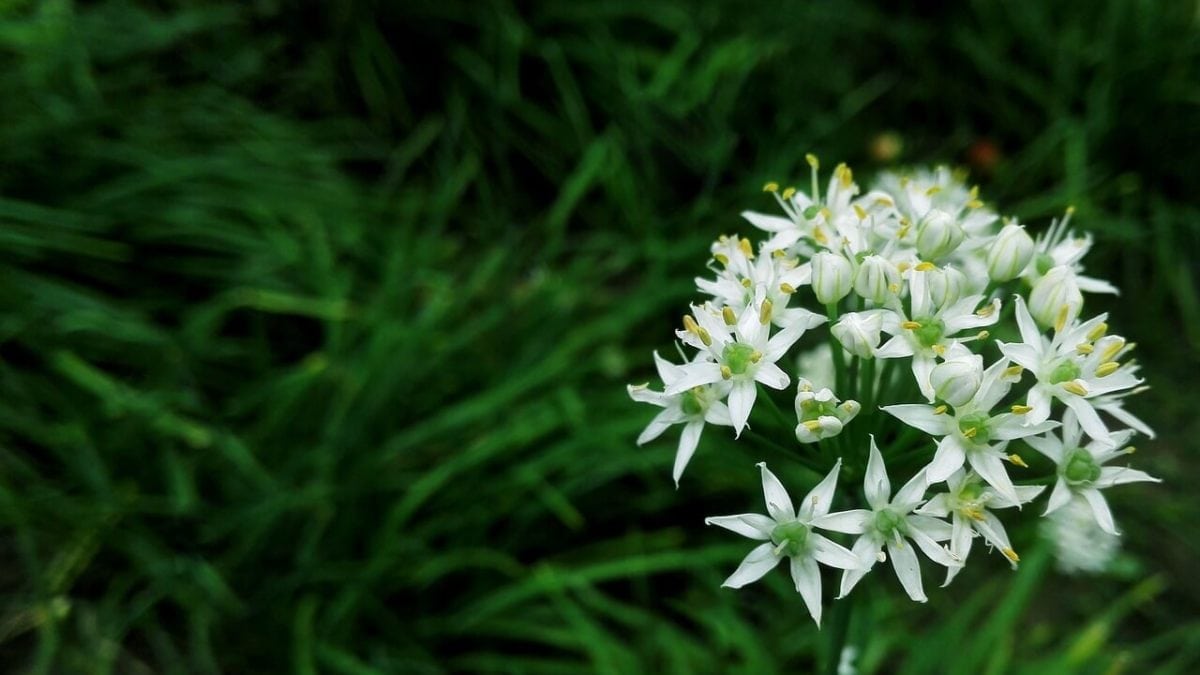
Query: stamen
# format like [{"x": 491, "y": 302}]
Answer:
[
  {"x": 940, "y": 350},
  {"x": 1112, "y": 350},
  {"x": 764, "y": 314},
  {"x": 910, "y": 325},
  {"x": 744, "y": 244},
  {"x": 812, "y": 425},
  {"x": 1107, "y": 368},
  {"x": 788, "y": 192},
  {"x": 1076, "y": 387},
  {"x": 726, "y": 373},
  {"x": 884, "y": 201},
  {"x": 982, "y": 335},
  {"x": 787, "y": 288},
  {"x": 729, "y": 316},
  {"x": 858, "y": 211},
  {"x": 1013, "y": 371},
  {"x": 933, "y": 191},
  {"x": 1019, "y": 409},
  {"x": 690, "y": 325},
  {"x": 974, "y": 204},
  {"x": 1060, "y": 321},
  {"x": 925, "y": 266},
  {"x": 747, "y": 283},
  {"x": 1011, "y": 555},
  {"x": 721, "y": 258},
  {"x": 771, "y": 187},
  {"x": 819, "y": 236},
  {"x": 1016, "y": 459},
  {"x": 985, "y": 311},
  {"x": 814, "y": 164},
  {"x": 782, "y": 545},
  {"x": 940, "y": 410},
  {"x": 970, "y": 432},
  {"x": 894, "y": 287},
  {"x": 1084, "y": 348},
  {"x": 1098, "y": 332},
  {"x": 756, "y": 357},
  {"x": 902, "y": 267}
]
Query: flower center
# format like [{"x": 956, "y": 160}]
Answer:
[
  {"x": 1043, "y": 262},
  {"x": 930, "y": 332},
  {"x": 975, "y": 427},
  {"x": 889, "y": 523},
  {"x": 738, "y": 357},
  {"x": 790, "y": 538},
  {"x": 1080, "y": 468},
  {"x": 692, "y": 403},
  {"x": 1065, "y": 371}
]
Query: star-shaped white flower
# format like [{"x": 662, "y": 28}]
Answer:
[
  {"x": 1057, "y": 247},
  {"x": 891, "y": 523},
  {"x": 971, "y": 434},
  {"x": 745, "y": 281},
  {"x": 789, "y": 533},
  {"x": 967, "y": 504},
  {"x": 742, "y": 354},
  {"x": 1081, "y": 470},
  {"x": 692, "y": 408},
  {"x": 1078, "y": 365}
]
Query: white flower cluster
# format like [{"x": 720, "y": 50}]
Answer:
[{"x": 919, "y": 269}]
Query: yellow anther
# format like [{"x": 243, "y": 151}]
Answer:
[
  {"x": 974, "y": 192},
  {"x": 974, "y": 204},
  {"x": 982, "y": 335},
  {"x": 985, "y": 311},
  {"x": 910, "y": 325},
  {"x": 1084, "y": 348},
  {"x": 1111, "y": 351},
  {"x": 1011, "y": 555},
  {"x": 812, "y": 425},
  {"x": 933, "y": 191},
  {"x": 973, "y": 513},
  {"x": 1060, "y": 321},
  {"x": 721, "y": 258},
  {"x": 812, "y": 161},
  {"x": 1016, "y": 459},
  {"x": 900, "y": 233},
  {"x": 884, "y": 201},
  {"x": 1130, "y": 450},
  {"x": 779, "y": 253},
  {"x": 747, "y": 283},
  {"x": 902, "y": 267},
  {"x": 726, "y": 373},
  {"x": 940, "y": 410},
  {"x": 806, "y": 386},
  {"x": 1019, "y": 409},
  {"x": 744, "y": 244},
  {"x": 705, "y": 337},
  {"x": 1013, "y": 371},
  {"x": 787, "y": 288},
  {"x": 894, "y": 287},
  {"x": 826, "y": 213},
  {"x": 729, "y": 316},
  {"x": 1097, "y": 332},
  {"x": 1076, "y": 387},
  {"x": 858, "y": 211},
  {"x": 756, "y": 357},
  {"x": 764, "y": 314},
  {"x": 771, "y": 187},
  {"x": 1070, "y": 210},
  {"x": 1107, "y": 368},
  {"x": 819, "y": 236},
  {"x": 940, "y": 350},
  {"x": 788, "y": 193},
  {"x": 844, "y": 174},
  {"x": 970, "y": 432},
  {"x": 925, "y": 266},
  {"x": 690, "y": 325}
]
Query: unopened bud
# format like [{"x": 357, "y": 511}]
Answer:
[
  {"x": 831, "y": 276},
  {"x": 1010, "y": 254},
  {"x": 1055, "y": 298},
  {"x": 875, "y": 277},
  {"x": 938, "y": 235}
]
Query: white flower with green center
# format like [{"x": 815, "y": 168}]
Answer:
[
  {"x": 742, "y": 352},
  {"x": 1057, "y": 247},
  {"x": 1081, "y": 469},
  {"x": 788, "y": 533},
  {"x": 967, "y": 505},
  {"x": 928, "y": 330},
  {"x": 820, "y": 413},
  {"x": 971, "y": 434},
  {"x": 891, "y": 523},
  {"x": 812, "y": 223},
  {"x": 693, "y": 408},
  {"x": 746, "y": 281},
  {"x": 1078, "y": 365},
  {"x": 1080, "y": 545}
]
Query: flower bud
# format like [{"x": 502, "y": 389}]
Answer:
[
  {"x": 859, "y": 332},
  {"x": 1055, "y": 299},
  {"x": 819, "y": 413},
  {"x": 1010, "y": 253},
  {"x": 955, "y": 381},
  {"x": 938, "y": 234},
  {"x": 875, "y": 278},
  {"x": 831, "y": 275},
  {"x": 945, "y": 285}
]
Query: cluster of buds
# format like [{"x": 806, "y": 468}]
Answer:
[{"x": 912, "y": 278}]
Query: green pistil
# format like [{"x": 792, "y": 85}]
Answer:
[
  {"x": 738, "y": 357},
  {"x": 977, "y": 421},
  {"x": 1065, "y": 371},
  {"x": 1043, "y": 262},
  {"x": 888, "y": 522},
  {"x": 1080, "y": 468},
  {"x": 691, "y": 403},
  {"x": 931, "y": 331},
  {"x": 790, "y": 538}
]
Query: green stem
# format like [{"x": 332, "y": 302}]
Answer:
[
  {"x": 806, "y": 462},
  {"x": 839, "y": 359},
  {"x": 839, "y": 625},
  {"x": 765, "y": 395}
]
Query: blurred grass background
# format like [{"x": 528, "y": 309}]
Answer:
[{"x": 317, "y": 319}]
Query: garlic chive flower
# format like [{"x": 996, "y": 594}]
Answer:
[
  {"x": 1081, "y": 469},
  {"x": 788, "y": 533},
  {"x": 891, "y": 523},
  {"x": 968, "y": 504},
  {"x": 820, "y": 413},
  {"x": 693, "y": 408}
]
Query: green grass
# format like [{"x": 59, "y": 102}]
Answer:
[{"x": 315, "y": 324}]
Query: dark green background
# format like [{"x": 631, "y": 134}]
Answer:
[{"x": 315, "y": 322}]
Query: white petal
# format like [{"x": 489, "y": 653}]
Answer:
[
  {"x": 1100, "y": 510},
  {"x": 661, "y": 422},
  {"x": 949, "y": 458},
  {"x": 1119, "y": 475},
  {"x": 768, "y": 223},
  {"x": 644, "y": 394},
  {"x": 1029, "y": 331},
  {"x": 718, "y": 414},
  {"x": 1026, "y": 356},
  {"x": 779, "y": 504},
  {"x": 1048, "y": 445},
  {"x": 753, "y": 525},
  {"x": 867, "y": 551},
  {"x": 807, "y": 577},
  {"x": 937, "y": 507},
  {"x": 935, "y": 528},
  {"x": 1059, "y": 497},
  {"x": 772, "y": 375},
  {"x": 921, "y": 417},
  {"x": 908, "y": 569},
  {"x": 832, "y": 554},
  {"x": 741, "y": 400},
  {"x": 1010, "y": 427},
  {"x": 895, "y": 348},
  {"x": 912, "y": 493},
  {"x": 991, "y": 469},
  {"x": 818, "y": 501},
  {"x": 759, "y": 561},
  {"x": 688, "y": 441},
  {"x": 695, "y": 374},
  {"x": 922, "y": 366},
  {"x": 849, "y": 522},
  {"x": 931, "y": 548},
  {"x": 875, "y": 484},
  {"x": 1089, "y": 420}
]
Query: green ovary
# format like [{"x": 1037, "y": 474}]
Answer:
[
  {"x": 1080, "y": 468},
  {"x": 1043, "y": 263},
  {"x": 1065, "y": 371},
  {"x": 738, "y": 357},
  {"x": 930, "y": 332},
  {"x": 887, "y": 522},
  {"x": 791, "y": 536},
  {"x": 691, "y": 403},
  {"x": 979, "y": 422}
]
